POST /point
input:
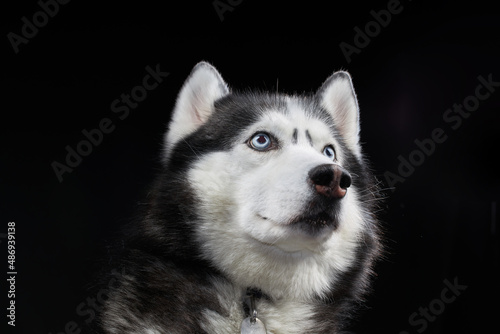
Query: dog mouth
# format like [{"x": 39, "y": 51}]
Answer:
[
  {"x": 303, "y": 234},
  {"x": 314, "y": 224},
  {"x": 311, "y": 223}
]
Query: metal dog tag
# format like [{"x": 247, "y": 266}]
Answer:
[{"x": 255, "y": 327}]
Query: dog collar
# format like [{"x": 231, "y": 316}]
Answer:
[{"x": 252, "y": 324}]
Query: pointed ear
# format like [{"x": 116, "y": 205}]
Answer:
[
  {"x": 195, "y": 104},
  {"x": 337, "y": 96}
]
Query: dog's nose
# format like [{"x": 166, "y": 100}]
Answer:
[{"x": 330, "y": 180}]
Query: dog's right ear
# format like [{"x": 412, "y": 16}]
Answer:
[{"x": 195, "y": 104}]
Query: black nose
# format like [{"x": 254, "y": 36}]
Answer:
[{"x": 330, "y": 180}]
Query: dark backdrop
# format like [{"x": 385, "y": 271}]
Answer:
[{"x": 440, "y": 215}]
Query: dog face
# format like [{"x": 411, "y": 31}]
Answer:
[{"x": 274, "y": 179}]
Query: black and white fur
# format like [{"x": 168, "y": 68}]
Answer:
[{"x": 224, "y": 217}]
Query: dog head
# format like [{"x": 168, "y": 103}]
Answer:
[{"x": 278, "y": 181}]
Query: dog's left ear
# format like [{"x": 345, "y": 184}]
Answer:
[
  {"x": 337, "y": 96},
  {"x": 195, "y": 104}
]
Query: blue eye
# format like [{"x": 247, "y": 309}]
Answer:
[
  {"x": 329, "y": 152},
  {"x": 260, "y": 142}
]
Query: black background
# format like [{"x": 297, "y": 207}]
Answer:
[{"x": 440, "y": 223}]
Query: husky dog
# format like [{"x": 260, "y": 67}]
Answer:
[{"x": 261, "y": 219}]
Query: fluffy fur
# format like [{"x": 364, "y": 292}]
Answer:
[{"x": 224, "y": 216}]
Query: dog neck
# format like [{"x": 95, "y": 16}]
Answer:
[{"x": 251, "y": 324}]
